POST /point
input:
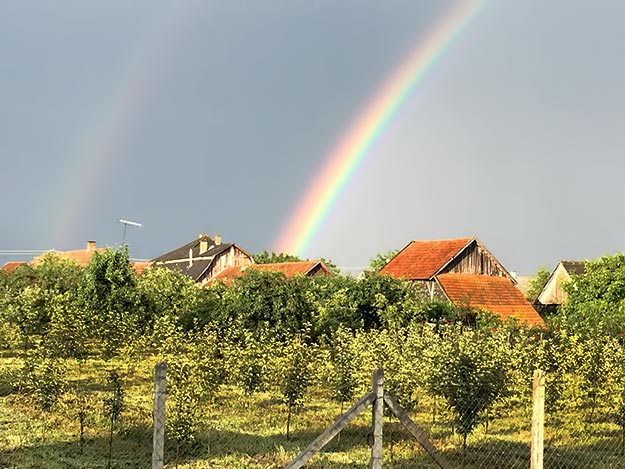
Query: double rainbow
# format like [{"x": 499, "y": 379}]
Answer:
[{"x": 348, "y": 154}]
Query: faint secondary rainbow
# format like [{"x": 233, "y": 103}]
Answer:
[
  {"x": 98, "y": 147},
  {"x": 348, "y": 154}
]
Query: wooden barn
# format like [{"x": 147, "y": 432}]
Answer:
[
  {"x": 203, "y": 258},
  {"x": 422, "y": 260},
  {"x": 552, "y": 294}
]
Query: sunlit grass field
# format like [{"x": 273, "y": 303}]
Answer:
[{"x": 240, "y": 431}]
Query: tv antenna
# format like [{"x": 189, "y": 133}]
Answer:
[{"x": 126, "y": 223}]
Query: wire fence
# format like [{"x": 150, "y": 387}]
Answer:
[{"x": 236, "y": 429}]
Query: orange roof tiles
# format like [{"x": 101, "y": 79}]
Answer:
[
  {"x": 80, "y": 256},
  {"x": 289, "y": 269},
  {"x": 141, "y": 266},
  {"x": 495, "y": 294},
  {"x": 12, "y": 265},
  {"x": 421, "y": 260}
]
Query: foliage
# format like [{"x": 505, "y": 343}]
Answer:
[
  {"x": 381, "y": 259},
  {"x": 470, "y": 372},
  {"x": 277, "y": 258},
  {"x": 43, "y": 378},
  {"x": 113, "y": 407},
  {"x": 295, "y": 371},
  {"x": 110, "y": 300},
  {"x": 274, "y": 258},
  {"x": 537, "y": 283},
  {"x": 596, "y": 299}
]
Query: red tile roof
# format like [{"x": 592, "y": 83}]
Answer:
[
  {"x": 289, "y": 269},
  {"x": 11, "y": 266},
  {"x": 421, "y": 260},
  {"x": 140, "y": 266},
  {"x": 495, "y": 294},
  {"x": 80, "y": 256}
]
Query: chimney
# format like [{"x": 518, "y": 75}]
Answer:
[
  {"x": 190, "y": 257},
  {"x": 90, "y": 246},
  {"x": 217, "y": 240},
  {"x": 203, "y": 245}
]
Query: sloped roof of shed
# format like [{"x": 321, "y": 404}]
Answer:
[
  {"x": 495, "y": 294},
  {"x": 421, "y": 260}
]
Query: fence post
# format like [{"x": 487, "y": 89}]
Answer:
[
  {"x": 378, "y": 419},
  {"x": 538, "y": 420},
  {"x": 160, "y": 390}
]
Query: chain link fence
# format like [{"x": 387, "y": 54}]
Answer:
[{"x": 240, "y": 430}]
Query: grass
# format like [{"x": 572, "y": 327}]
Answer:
[{"x": 248, "y": 432}]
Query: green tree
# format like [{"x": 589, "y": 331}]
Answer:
[
  {"x": 596, "y": 299},
  {"x": 380, "y": 260},
  {"x": 295, "y": 372},
  {"x": 274, "y": 258},
  {"x": 470, "y": 373},
  {"x": 537, "y": 283},
  {"x": 111, "y": 300},
  {"x": 277, "y": 258}
]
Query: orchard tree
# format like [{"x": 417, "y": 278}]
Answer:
[
  {"x": 537, "y": 283},
  {"x": 471, "y": 373},
  {"x": 295, "y": 372},
  {"x": 380, "y": 260},
  {"x": 111, "y": 301},
  {"x": 596, "y": 303}
]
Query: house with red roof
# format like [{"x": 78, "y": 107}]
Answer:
[
  {"x": 82, "y": 257},
  {"x": 289, "y": 269},
  {"x": 422, "y": 260},
  {"x": 203, "y": 258},
  {"x": 464, "y": 272}
]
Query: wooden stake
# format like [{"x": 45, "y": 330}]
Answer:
[
  {"x": 538, "y": 420},
  {"x": 378, "y": 419},
  {"x": 160, "y": 390}
]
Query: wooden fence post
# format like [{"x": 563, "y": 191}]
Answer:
[
  {"x": 160, "y": 390},
  {"x": 378, "y": 419},
  {"x": 538, "y": 420}
]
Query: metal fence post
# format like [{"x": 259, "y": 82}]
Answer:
[
  {"x": 160, "y": 390},
  {"x": 378, "y": 419},
  {"x": 538, "y": 420}
]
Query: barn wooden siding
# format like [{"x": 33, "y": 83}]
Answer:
[
  {"x": 475, "y": 260},
  {"x": 232, "y": 257}
]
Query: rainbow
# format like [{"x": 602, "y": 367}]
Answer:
[
  {"x": 97, "y": 148},
  {"x": 348, "y": 154}
]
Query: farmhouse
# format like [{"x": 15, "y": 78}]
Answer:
[
  {"x": 422, "y": 261},
  {"x": 203, "y": 258},
  {"x": 552, "y": 294},
  {"x": 289, "y": 269}
]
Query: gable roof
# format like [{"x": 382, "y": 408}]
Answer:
[
  {"x": 289, "y": 269},
  {"x": 495, "y": 294},
  {"x": 81, "y": 256},
  {"x": 422, "y": 260},
  {"x": 574, "y": 267},
  {"x": 198, "y": 265},
  {"x": 12, "y": 265},
  {"x": 292, "y": 268},
  {"x": 552, "y": 292},
  {"x": 182, "y": 252}
]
